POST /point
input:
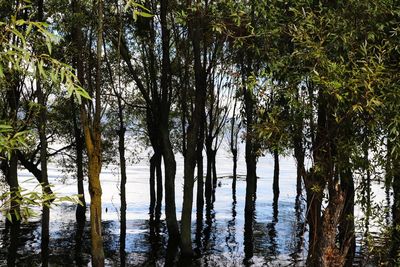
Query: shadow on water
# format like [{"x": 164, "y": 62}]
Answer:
[
  {"x": 45, "y": 232},
  {"x": 298, "y": 239},
  {"x": 231, "y": 243},
  {"x": 249, "y": 221}
]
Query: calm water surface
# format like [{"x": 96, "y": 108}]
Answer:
[{"x": 278, "y": 238}]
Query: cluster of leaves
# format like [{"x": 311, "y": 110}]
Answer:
[
  {"x": 18, "y": 38},
  {"x": 28, "y": 200},
  {"x": 11, "y": 140}
]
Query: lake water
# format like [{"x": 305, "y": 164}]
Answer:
[{"x": 278, "y": 240}]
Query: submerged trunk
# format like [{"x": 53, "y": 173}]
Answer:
[
  {"x": 79, "y": 138},
  {"x": 44, "y": 245},
  {"x": 234, "y": 178},
  {"x": 200, "y": 174},
  {"x": 121, "y": 148},
  {"x": 95, "y": 191},
  {"x": 314, "y": 194},
  {"x": 214, "y": 167},
  {"x": 346, "y": 226},
  {"x": 208, "y": 185},
  {"x": 12, "y": 181},
  {"x": 152, "y": 185},
  {"x": 42, "y": 121},
  {"x": 195, "y": 32},
  {"x": 395, "y": 246},
  {"x": 170, "y": 171},
  {"x": 166, "y": 146},
  {"x": 79, "y": 147},
  {"x": 159, "y": 183},
  {"x": 275, "y": 185}
]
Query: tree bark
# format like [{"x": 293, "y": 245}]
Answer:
[
  {"x": 395, "y": 246},
  {"x": 167, "y": 151},
  {"x": 195, "y": 33},
  {"x": 93, "y": 146},
  {"x": 275, "y": 185},
  {"x": 79, "y": 138}
]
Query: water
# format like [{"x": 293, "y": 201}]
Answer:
[{"x": 278, "y": 236}]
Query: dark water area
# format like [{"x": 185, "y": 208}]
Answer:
[
  {"x": 276, "y": 233},
  {"x": 277, "y": 238}
]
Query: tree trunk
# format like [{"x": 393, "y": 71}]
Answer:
[
  {"x": 168, "y": 154},
  {"x": 44, "y": 245},
  {"x": 200, "y": 173},
  {"x": 395, "y": 246},
  {"x": 314, "y": 194},
  {"x": 234, "y": 178},
  {"x": 275, "y": 185},
  {"x": 346, "y": 226},
  {"x": 159, "y": 187},
  {"x": 42, "y": 120},
  {"x": 121, "y": 148},
  {"x": 79, "y": 138},
  {"x": 12, "y": 181},
  {"x": 79, "y": 147},
  {"x": 315, "y": 182},
  {"x": 208, "y": 185},
  {"x": 93, "y": 146},
  {"x": 152, "y": 185},
  {"x": 195, "y": 32},
  {"x": 214, "y": 167},
  {"x": 330, "y": 255}
]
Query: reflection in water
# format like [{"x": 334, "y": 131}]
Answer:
[
  {"x": 199, "y": 231},
  {"x": 209, "y": 232},
  {"x": 249, "y": 221},
  {"x": 80, "y": 226},
  {"x": 271, "y": 230},
  {"x": 230, "y": 239},
  {"x": 122, "y": 238},
  {"x": 217, "y": 233},
  {"x": 300, "y": 229},
  {"x": 13, "y": 242},
  {"x": 45, "y": 235}
]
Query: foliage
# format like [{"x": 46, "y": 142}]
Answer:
[
  {"x": 28, "y": 200},
  {"x": 18, "y": 39}
]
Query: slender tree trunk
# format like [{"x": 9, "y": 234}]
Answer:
[
  {"x": 152, "y": 184},
  {"x": 233, "y": 146},
  {"x": 79, "y": 138},
  {"x": 208, "y": 185},
  {"x": 42, "y": 120},
  {"x": 168, "y": 154},
  {"x": 276, "y": 175},
  {"x": 251, "y": 158},
  {"x": 159, "y": 186},
  {"x": 122, "y": 160},
  {"x": 79, "y": 147},
  {"x": 234, "y": 153},
  {"x": 12, "y": 181},
  {"x": 200, "y": 170},
  {"x": 214, "y": 167},
  {"x": 44, "y": 245}
]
